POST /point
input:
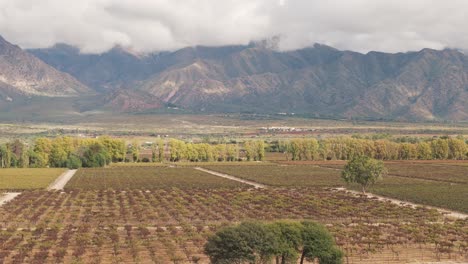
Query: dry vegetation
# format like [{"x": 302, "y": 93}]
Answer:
[
  {"x": 284, "y": 176},
  {"x": 22, "y": 179},
  {"x": 146, "y": 178},
  {"x": 164, "y": 214},
  {"x": 171, "y": 226}
]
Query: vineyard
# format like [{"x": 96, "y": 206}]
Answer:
[
  {"x": 164, "y": 214},
  {"x": 22, "y": 179},
  {"x": 172, "y": 225},
  {"x": 284, "y": 176},
  {"x": 147, "y": 178},
  {"x": 436, "y": 183}
]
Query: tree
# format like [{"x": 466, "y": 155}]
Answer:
[
  {"x": 94, "y": 155},
  {"x": 364, "y": 171},
  {"x": 160, "y": 144},
  {"x": 248, "y": 242},
  {"x": 134, "y": 150},
  {"x": 288, "y": 241},
  {"x": 5, "y": 156},
  {"x": 254, "y": 242},
  {"x": 319, "y": 244}
]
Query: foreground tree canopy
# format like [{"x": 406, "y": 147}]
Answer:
[
  {"x": 364, "y": 171},
  {"x": 284, "y": 242}
]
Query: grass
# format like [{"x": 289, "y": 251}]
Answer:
[
  {"x": 23, "y": 179},
  {"x": 146, "y": 178},
  {"x": 284, "y": 176}
]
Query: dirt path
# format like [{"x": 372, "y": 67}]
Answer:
[
  {"x": 6, "y": 197},
  {"x": 405, "y": 203},
  {"x": 230, "y": 177},
  {"x": 61, "y": 181}
]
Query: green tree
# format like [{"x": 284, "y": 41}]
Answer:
[
  {"x": 424, "y": 151},
  {"x": 250, "y": 150},
  {"x": 160, "y": 144},
  {"x": 134, "y": 151},
  {"x": 74, "y": 162},
  {"x": 177, "y": 149},
  {"x": 284, "y": 241},
  {"x": 318, "y": 244},
  {"x": 5, "y": 156},
  {"x": 260, "y": 150},
  {"x": 94, "y": 155},
  {"x": 248, "y": 242},
  {"x": 363, "y": 170},
  {"x": 440, "y": 148},
  {"x": 288, "y": 241}
]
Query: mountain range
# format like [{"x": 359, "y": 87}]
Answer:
[{"x": 318, "y": 81}]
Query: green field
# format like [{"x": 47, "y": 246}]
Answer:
[
  {"x": 436, "y": 183},
  {"x": 22, "y": 179},
  {"x": 284, "y": 176},
  {"x": 146, "y": 178}
]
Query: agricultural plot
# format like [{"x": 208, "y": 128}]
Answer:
[
  {"x": 440, "y": 194},
  {"x": 147, "y": 178},
  {"x": 434, "y": 183},
  {"x": 190, "y": 164},
  {"x": 172, "y": 225},
  {"x": 431, "y": 183},
  {"x": 283, "y": 176},
  {"x": 444, "y": 172},
  {"x": 23, "y": 179}
]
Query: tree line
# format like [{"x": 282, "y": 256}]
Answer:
[
  {"x": 345, "y": 148},
  {"x": 98, "y": 152}
]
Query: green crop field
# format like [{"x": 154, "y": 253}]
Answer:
[
  {"x": 123, "y": 178},
  {"x": 284, "y": 176},
  {"x": 22, "y": 179}
]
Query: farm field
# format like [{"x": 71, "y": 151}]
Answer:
[
  {"x": 172, "y": 225},
  {"x": 147, "y": 178},
  {"x": 23, "y": 179},
  {"x": 283, "y": 176},
  {"x": 435, "y": 183},
  {"x": 440, "y": 194},
  {"x": 191, "y": 164}
]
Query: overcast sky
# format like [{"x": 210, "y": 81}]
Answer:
[{"x": 152, "y": 25}]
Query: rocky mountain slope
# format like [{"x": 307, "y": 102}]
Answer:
[
  {"x": 318, "y": 81},
  {"x": 22, "y": 74}
]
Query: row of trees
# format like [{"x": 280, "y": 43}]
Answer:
[
  {"x": 62, "y": 152},
  {"x": 346, "y": 148},
  {"x": 79, "y": 152},
  {"x": 284, "y": 242}
]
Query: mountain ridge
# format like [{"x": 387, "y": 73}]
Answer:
[
  {"x": 22, "y": 74},
  {"x": 316, "y": 81}
]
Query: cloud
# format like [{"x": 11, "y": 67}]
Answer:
[{"x": 151, "y": 25}]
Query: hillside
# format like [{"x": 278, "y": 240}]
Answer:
[
  {"x": 318, "y": 81},
  {"x": 22, "y": 74}
]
